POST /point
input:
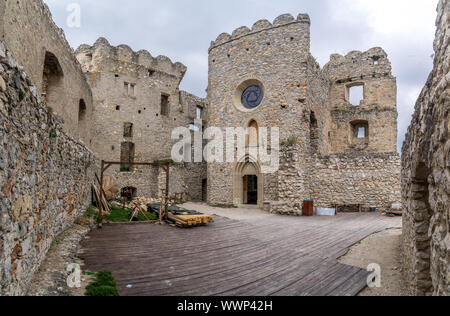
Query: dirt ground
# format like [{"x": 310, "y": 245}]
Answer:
[
  {"x": 384, "y": 249},
  {"x": 240, "y": 214},
  {"x": 51, "y": 279}
]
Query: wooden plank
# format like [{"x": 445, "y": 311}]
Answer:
[{"x": 234, "y": 257}]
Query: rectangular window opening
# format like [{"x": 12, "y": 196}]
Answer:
[
  {"x": 164, "y": 105},
  {"x": 362, "y": 132},
  {"x": 128, "y": 130},
  {"x": 199, "y": 113},
  {"x": 129, "y": 89},
  {"x": 356, "y": 95}
]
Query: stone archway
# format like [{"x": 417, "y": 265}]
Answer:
[
  {"x": 419, "y": 219},
  {"x": 52, "y": 82},
  {"x": 248, "y": 183}
]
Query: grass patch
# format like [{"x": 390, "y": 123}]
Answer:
[
  {"x": 88, "y": 273},
  {"x": 164, "y": 162},
  {"x": 104, "y": 285},
  {"x": 21, "y": 95},
  {"x": 291, "y": 141},
  {"x": 90, "y": 213},
  {"x": 119, "y": 215},
  {"x": 52, "y": 133}
]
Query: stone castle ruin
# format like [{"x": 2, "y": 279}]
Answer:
[
  {"x": 62, "y": 111},
  {"x": 426, "y": 175},
  {"x": 137, "y": 104},
  {"x": 333, "y": 152}
]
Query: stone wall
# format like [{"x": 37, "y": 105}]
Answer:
[
  {"x": 342, "y": 180},
  {"x": 336, "y": 180},
  {"x": 39, "y": 45},
  {"x": 318, "y": 109},
  {"x": 426, "y": 175},
  {"x": 321, "y": 157},
  {"x": 45, "y": 177},
  {"x": 373, "y": 71},
  {"x": 128, "y": 88}
]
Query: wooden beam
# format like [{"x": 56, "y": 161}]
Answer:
[
  {"x": 100, "y": 209},
  {"x": 166, "y": 213},
  {"x": 102, "y": 193}
]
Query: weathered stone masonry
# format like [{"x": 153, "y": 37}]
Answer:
[
  {"x": 138, "y": 103},
  {"x": 323, "y": 155},
  {"x": 124, "y": 105},
  {"x": 45, "y": 177},
  {"x": 426, "y": 175},
  {"x": 40, "y": 46}
]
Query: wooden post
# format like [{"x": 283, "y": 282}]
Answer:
[
  {"x": 100, "y": 207},
  {"x": 162, "y": 206},
  {"x": 166, "y": 213}
]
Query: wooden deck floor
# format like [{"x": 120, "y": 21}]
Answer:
[{"x": 292, "y": 256}]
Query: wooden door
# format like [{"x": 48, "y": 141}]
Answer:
[{"x": 245, "y": 185}]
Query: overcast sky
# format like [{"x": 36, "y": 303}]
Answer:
[{"x": 183, "y": 30}]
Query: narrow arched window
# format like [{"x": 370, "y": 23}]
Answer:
[
  {"x": 52, "y": 83},
  {"x": 82, "y": 112},
  {"x": 253, "y": 134}
]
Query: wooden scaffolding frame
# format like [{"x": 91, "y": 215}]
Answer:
[{"x": 105, "y": 165}]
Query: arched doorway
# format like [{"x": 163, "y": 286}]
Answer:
[
  {"x": 128, "y": 193},
  {"x": 52, "y": 82},
  {"x": 248, "y": 183}
]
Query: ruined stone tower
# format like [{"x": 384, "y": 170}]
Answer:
[
  {"x": 137, "y": 104},
  {"x": 62, "y": 111},
  {"x": 334, "y": 152}
]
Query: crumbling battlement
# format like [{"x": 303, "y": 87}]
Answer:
[
  {"x": 358, "y": 65},
  {"x": 376, "y": 112},
  {"x": 260, "y": 26},
  {"x": 97, "y": 56}
]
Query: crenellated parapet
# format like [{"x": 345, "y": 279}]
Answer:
[
  {"x": 260, "y": 26},
  {"x": 358, "y": 65},
  {"x": 363, "y": 98},
  {"x": 95, "y": 56}
]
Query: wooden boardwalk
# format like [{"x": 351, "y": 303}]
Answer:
[{"x": 292, "y": 256}]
